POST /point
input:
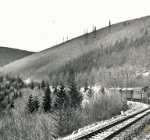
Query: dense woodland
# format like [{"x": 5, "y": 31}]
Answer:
[{"x": 110, "y": 65}]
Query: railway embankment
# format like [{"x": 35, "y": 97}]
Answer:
[{"x": 134, "y": 107}]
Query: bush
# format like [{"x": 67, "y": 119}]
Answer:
[{"x": 67, "y": 120}]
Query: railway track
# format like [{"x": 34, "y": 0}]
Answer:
[{"x": 110, "y": 131}]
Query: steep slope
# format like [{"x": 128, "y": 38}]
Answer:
[
  {"x": 40, "y": 65},
  {"x": 8, "y": 55}
]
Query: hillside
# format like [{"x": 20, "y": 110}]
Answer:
[
  {"x": 102, "y": 56},
  {"x": 8, "y": 55}
]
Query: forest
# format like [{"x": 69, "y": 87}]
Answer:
[
  {"x": 110, "y": 65},
  {"x": 52, "y": 111}
]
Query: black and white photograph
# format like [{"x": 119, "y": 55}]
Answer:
[{"x": 74, "y": 69}]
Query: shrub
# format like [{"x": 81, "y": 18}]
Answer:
[{"x": 67, "y": 120}]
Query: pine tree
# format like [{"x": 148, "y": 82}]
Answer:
[
  {"x": 32, "y": 85},
  {"x": 43, "y": 84},
  {"x": 103, "y": 89},
  {"x": 19, "y": 80},
  {"x": 47, "y": 100},
  {"x": 61, "y": 96},
  {"x": 76, "y": 97},
  {"x": 8, "y": 99},
  {"x": 30, "y": 104},
  {"x": 12, "y": 80},
  {"x": 39, "y": 86},
  {"x": 20, "y": 94},
  {"x": 15, "y": 96},
  {"x": 1, "y": 79},
  {"x": 36, "y": 103},
  {"x": 85, "y": 85},
  {"x": 12, "y": 104},
  {"x": 8, "y": 77}
]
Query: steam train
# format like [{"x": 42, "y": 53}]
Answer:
[{"x": 135, "y": 93}]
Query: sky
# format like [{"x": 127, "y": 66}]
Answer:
[{"x": 35, "y": 25}]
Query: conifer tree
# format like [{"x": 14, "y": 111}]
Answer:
[
  {"x": 20, "y": 94},
  {"x": 12, "y": 104},
  {"x": 39, "y": 86},
  {"x": 30, "y": 104},
  {"x": 12, "y": 80},
  {"x": 19, "y": 80},
  {"x": 36, "y": 103},
  {"x": 43, "y": 84},
  {"x": 32, "y": 85},
  {"x": 15, "y": 96},
  {"x": 47, "y": 100},
  {"x": 8, "y": 99},
  {"x": 8, "y": 77},
  {"x": 85, "y": 85},
  {"x": 1, "y": 79},
  {"x": 61, "y": 96},
  {"x": 103, "y": 89},
  {"x": 76, "y": 97}
]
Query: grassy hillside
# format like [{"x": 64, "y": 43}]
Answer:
[
  {"x": 8, "y": 55},
  {"x": 99, "y": 50}
]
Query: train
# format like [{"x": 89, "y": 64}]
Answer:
[{"x": 133, "y": 93}]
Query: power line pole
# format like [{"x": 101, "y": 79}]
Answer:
[{"x": 127, "y": 79}]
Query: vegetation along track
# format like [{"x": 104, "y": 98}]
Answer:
[{"x": 110, "y": 131}]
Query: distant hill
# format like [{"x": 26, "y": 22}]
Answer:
[
  {"x": 102, "y": 56},
  {"x": 8, "y": 55}
]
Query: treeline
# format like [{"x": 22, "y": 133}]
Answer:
[
  {"x": 65, "y": 97},
  {"x": 10, "y": 89}
]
